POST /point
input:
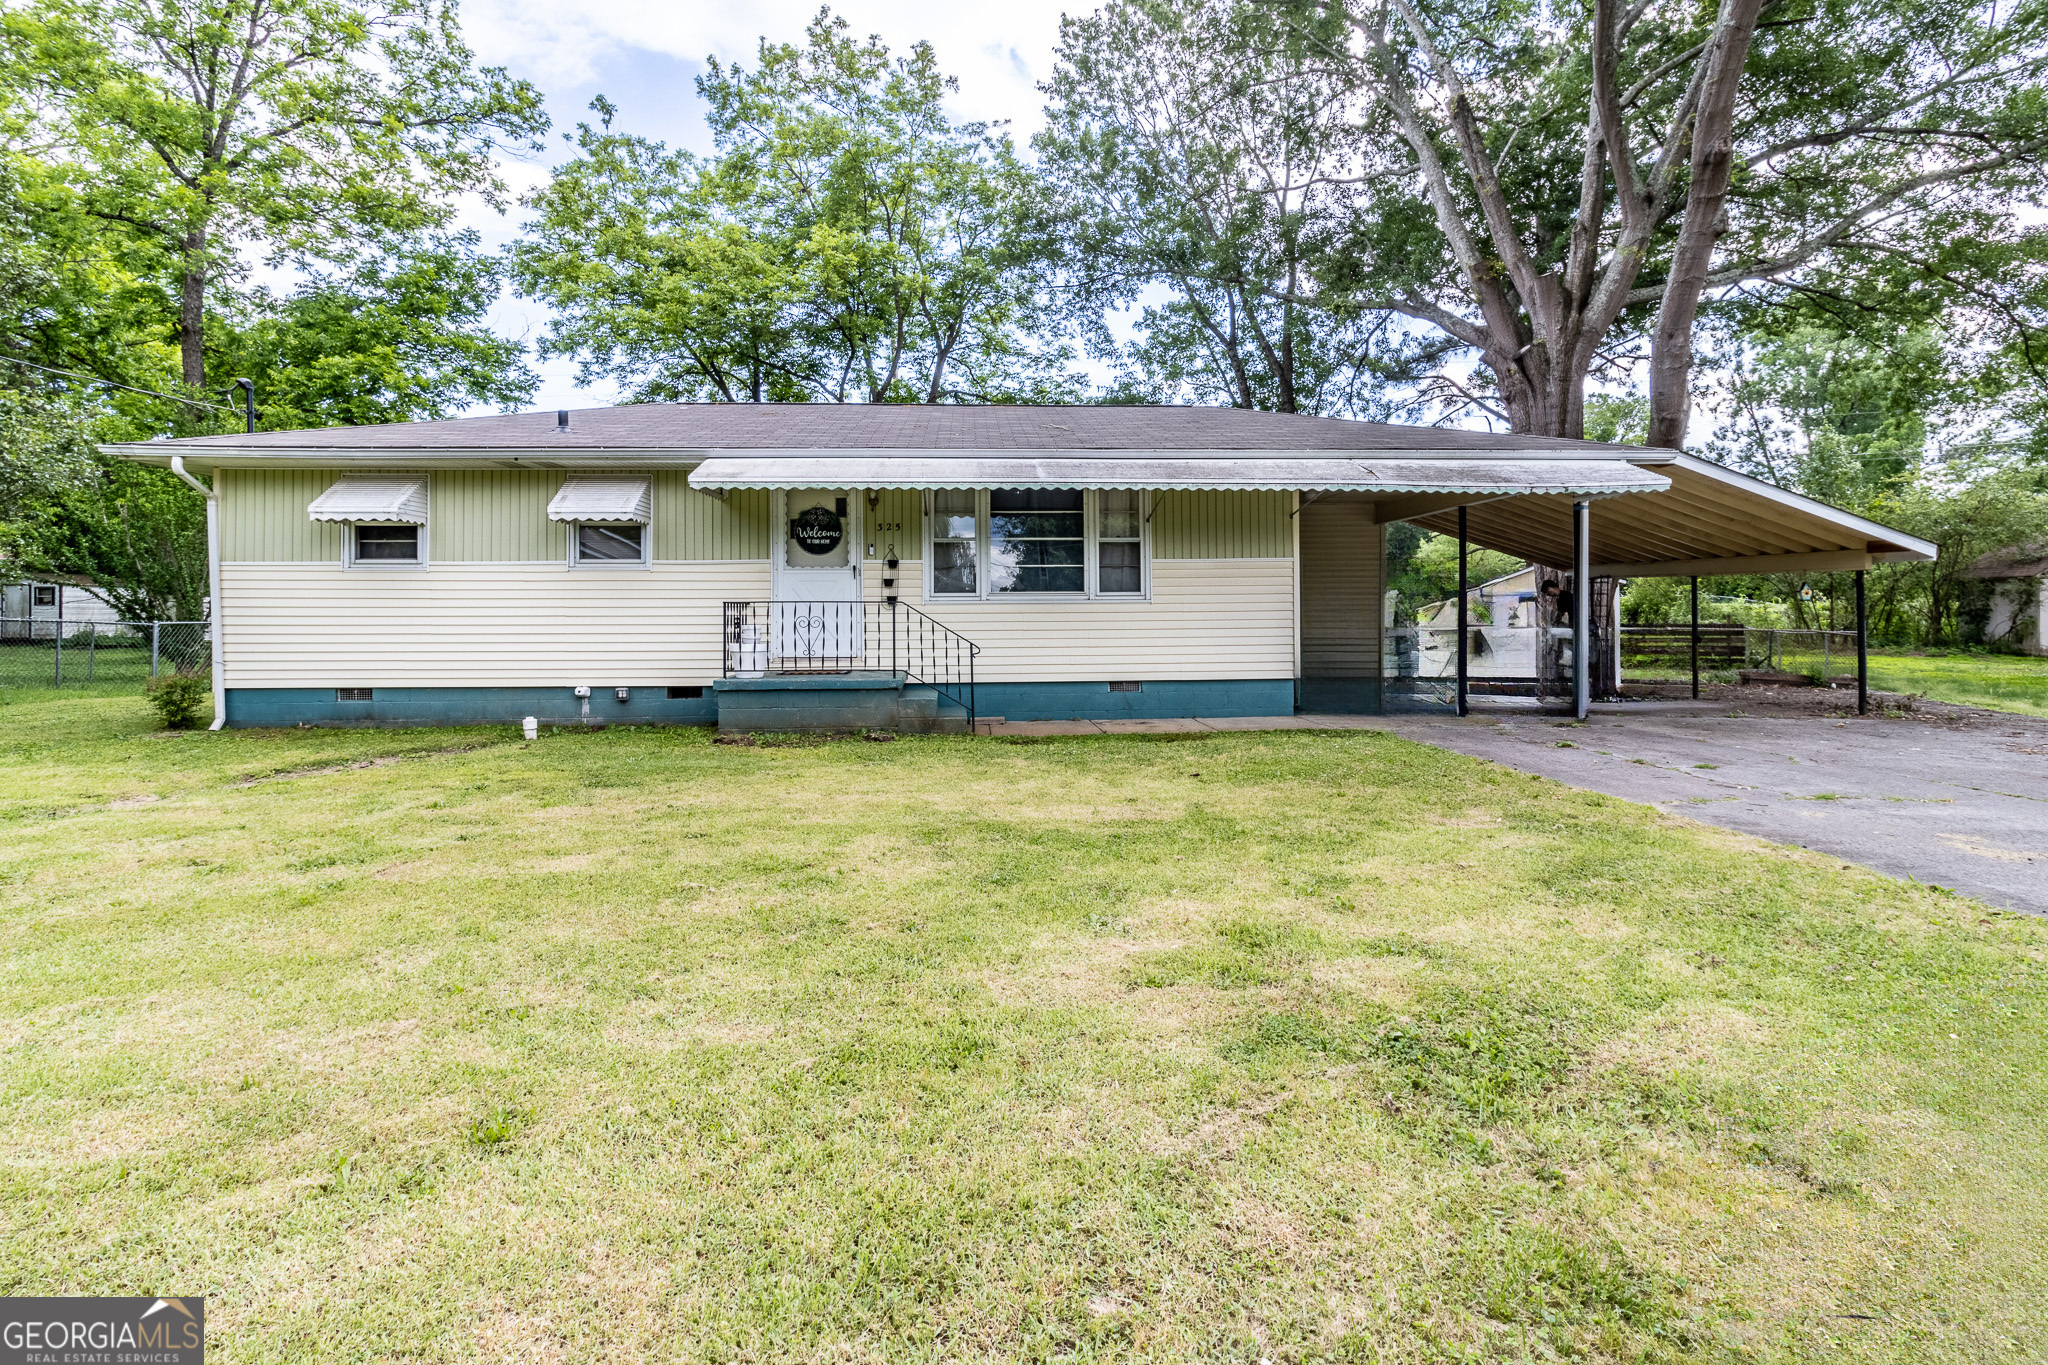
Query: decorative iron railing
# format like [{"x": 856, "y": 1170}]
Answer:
[{"x": 889, "y": 636}]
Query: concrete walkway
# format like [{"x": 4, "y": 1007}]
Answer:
[{"x": 1958, "y": 799}]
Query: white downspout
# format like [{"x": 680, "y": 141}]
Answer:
[{"x": 220, "y": 693}]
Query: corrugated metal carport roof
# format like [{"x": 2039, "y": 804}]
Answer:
[{"x": 1711, "y": 521}]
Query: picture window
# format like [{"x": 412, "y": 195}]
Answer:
[{"x": 1035, "y": 540}]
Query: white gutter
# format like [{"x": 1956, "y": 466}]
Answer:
[{"x": 212, "y": 496}]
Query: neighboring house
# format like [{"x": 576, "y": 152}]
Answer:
[
  {"x": 2018, "y": 575},
  {"x": 784, "y": 566},
  {"x": 1505, "y": 636},
  {"x": 47, "y": 609}
]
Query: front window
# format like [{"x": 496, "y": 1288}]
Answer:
[
  {"x": 387, "y": 544},
  {"x": 1036, "y": 542},
  {"x": 1036, "y": 538},
  {"x": 596, "y": 544}
]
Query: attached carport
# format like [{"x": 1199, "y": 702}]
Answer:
[
  {"x": 1709, "y": 521},
  {"x": 1661, "y": 514}
]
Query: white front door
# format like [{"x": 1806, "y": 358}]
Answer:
[{"x": 816, "y": 582}]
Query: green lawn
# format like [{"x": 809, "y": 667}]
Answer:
[
  {"x": 440, "y": 1046},
  {"x": 2003, "y": 682}
]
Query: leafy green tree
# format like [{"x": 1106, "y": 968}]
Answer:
[
  {"x": 847, "y": 242},
  {"x": 137, "y": 535},
  {"x": 1212, "y": 179},
  {"x": 397, "y": 339},
  {"x": 1968, "y": 512},
  {"x": 1838, "y": 417},
  {"x": 303, "y": 130},
  {"x": 1560, "y": 189},
  {"x": 1594, "y": 172}
]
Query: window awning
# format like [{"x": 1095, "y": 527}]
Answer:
[
  {"x": 397, "y": 502},
  {"x": 1586, "y": 478},
  {"x": 602, "y": 500}
]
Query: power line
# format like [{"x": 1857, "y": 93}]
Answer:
[{"x": 108, "y": 383}]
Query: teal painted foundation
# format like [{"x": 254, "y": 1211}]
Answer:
[
  {"x": 430, "y": 706},
  {"x": 751, "y": 703},
  {"x": 1154, "y": 701}
]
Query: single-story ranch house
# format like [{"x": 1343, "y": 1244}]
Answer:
[{"x": 785, "y": 566}]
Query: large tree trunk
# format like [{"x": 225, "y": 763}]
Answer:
[
  {"x": 1706, "y": 207},
  {"x": 192, "y": 310}
]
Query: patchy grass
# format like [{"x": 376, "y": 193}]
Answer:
[
  {"x": 2002, "y": 682},
  {"x": 442, "y": 1046}
]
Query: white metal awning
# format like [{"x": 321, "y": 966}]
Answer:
[
  {"x": 1496, "y": 478},
  {"x": 400, "y": 502},
  {"x": 601, "y": 500}
]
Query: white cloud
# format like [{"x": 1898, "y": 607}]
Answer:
[{"x": 999, "y": 52}]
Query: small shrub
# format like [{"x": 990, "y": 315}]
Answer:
[{"x": 178, "y": 696}]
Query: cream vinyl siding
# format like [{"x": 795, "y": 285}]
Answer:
[
  {"x": 896, "y": 518},
  {"x": 1215, "y": 618},
  {"x": 1221, "y": 524},
  {"x": 1340, "y": 589},
  {"x": 479, "y": 625},
  {"x": 689, "y": 525},
  {"x": 263, "y": 516},
  {"x": 489, "y": 515}
]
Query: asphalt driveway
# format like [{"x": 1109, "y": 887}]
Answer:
[{"x": 1952, "y": 797}]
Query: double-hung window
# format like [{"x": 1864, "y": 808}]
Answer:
[
  {"x": 1119, "y": 543},
  {"x": 1035, "y": 542},
  {"x": 956, "y": 543}
]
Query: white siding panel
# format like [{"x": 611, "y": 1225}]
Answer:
[
  {"x": 1207, "y": 618},
  {"x": 541, "y": 625},
  {"x": 479, "y": 624}
]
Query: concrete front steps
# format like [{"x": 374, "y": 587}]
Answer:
[{"x": 834, "y": 703}]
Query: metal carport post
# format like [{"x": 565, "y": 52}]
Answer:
[
  {"x": 1862, "y": 650},
  {"x": 1582, "y": 607},
  {"x": 1464, "y": 667}
]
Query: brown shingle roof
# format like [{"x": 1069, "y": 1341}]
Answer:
[{"x": 825, "y": 426}]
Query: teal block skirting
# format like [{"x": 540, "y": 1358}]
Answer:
[
  {"x": 406, "y": 706},
  {"x": 1155, "y": 700},
  {"x": 772, "y": 703}
]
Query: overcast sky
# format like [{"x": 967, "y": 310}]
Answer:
[{"x": 645, "y": 57}]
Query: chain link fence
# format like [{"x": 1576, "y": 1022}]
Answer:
[
  {"x": 1816, "y": 653},
  {"x": 45, "y": 652}
]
